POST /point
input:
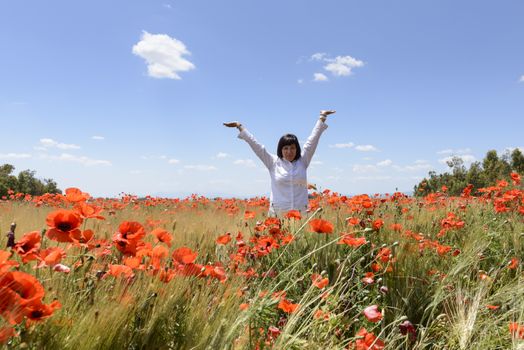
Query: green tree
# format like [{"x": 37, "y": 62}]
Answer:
[
  {"x": 7, "y": 180},
  {"x": 25, "y": 182},
  {"x": 495, "y": 168},
  {"x": 517, "y": 161}
]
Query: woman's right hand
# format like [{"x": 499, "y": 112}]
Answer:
[{"x": 237, "y": 125}]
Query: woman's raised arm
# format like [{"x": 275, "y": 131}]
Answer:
[
  {"x": 311, "y": 144},
  {"x": 267, "y": 158}
]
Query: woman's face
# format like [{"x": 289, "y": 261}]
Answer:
[{"x": 289, "y": 152}]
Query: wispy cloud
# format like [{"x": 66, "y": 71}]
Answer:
[
  {"x": 417, "y": 166},
  {"x": 364, "y": 168},
  {"x": 320, "y": 77},
  {"x": 96, "y": 137},
  {"x": 521, "y": 80},
  {"x": 455, "y": 151},
  {"x": 46, "y": 143},
  {"x": 222, "y": 155},
  {"x": 342, "y": 145},
  {"x": 163, "y": 55},
  {"x": 338, "y": 66},
  {"x": 173, "y": 161},
  {"x": 366, "y": 148},
  {"x": 200, "y": 167},
  {"x": 66, "y": 157},
  {"x": 385, "y": 163},
  {"x": 467, "y": 158},
  {"x": 245, "y": 162},
  {"x": 342, "y": 65},
  {"x": 14, "y": 155}
]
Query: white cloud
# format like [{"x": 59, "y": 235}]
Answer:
[
  {"x": 173, "y": 161},
  {"x": 134, "y": 172},
  {"x": 342, "y": 65},
  {"x": 221, "y": 155},
  {"x": 200, "y": 167},
  {"x": 364, "y": 168},
  {"x": 300, "y": 81},
  {"x": 319, "y": 56},
  {"x": 385, "y": 162},
  {"x": 366, "y": 148},
  {"x": 163, "y": 55},
  {"x": 342, "y": 145},
  {"x": 319, "y": 77},
  {"x": 414, "y": 167},
  {"x": 14, "y": 155},
  {"x": 467, "y": 158},
  {"x": 316, "y": 162},
  {"x": 375, "y": 178},
  {"x": 79, "y": 159},
  {"x": 455, "y": 151},
  {"x": 96, "y": 137},
  {"x": 245, "y": 162},
  {"x": 50, "y": 143},
  {"x": 421, "y": 161},
  {"x": 521, "y": 80}
]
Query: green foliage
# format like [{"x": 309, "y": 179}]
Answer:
[
  {"x": 25, "y": 182},
  {"x": 480, "y": 174}
]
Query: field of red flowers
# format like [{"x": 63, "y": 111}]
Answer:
[{"x": 362, "y": 272}]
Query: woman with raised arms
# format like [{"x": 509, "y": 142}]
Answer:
[{"x": 288, "y": 168}]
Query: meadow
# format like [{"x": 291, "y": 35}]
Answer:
[{"x": 361, "y": 272}]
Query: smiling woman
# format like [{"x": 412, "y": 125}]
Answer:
[{"x": 287, "y": 169}]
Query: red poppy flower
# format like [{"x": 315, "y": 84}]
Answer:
[
  {"x": 132, "y": 230},
  {"x": 516, "y": 178},
  {"x": 249, "y": 214},
  {"x": 352, "y": 241},
  {"x": 50, "y": 256},
  {"x": 74, "y": 195},
  {"x": 318, "y": 281},
  {"x": 368, "y": 341},
  {"x": 372, "y": 313},
  {"x": 184, "y": 255},
  {"x": 321, "y": 226},
  {"x": 120, "y": 270},
  {"x": 513, "y": 264},
  {"x": 63, "y": 224},
  {"x": 162, "y": 235},
  {"x": 293, "y": 214},
  {"x": 18, "y": 290},
  {"x": 6, "y": 333},
  {"x": 286, "y": 306},
  {"x": 158, "y": 254},
  {"x": 377, "y": 224},
  {"x": 88, "y": 211},
  {"x": 27, "y": 247},
  {"x": 39, "y": 312},
  {"x": 368, "y": 278},
  {"x": 224, "y": 239},
  {"x": 83, "y": 238},
  {"x": 516, "y": 330}
]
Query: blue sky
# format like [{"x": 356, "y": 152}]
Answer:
[{"x": 129, "y": 96}]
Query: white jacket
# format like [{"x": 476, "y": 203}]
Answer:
[{"x": 288, "y": 179}]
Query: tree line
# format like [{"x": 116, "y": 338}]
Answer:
[
  {"x": 480, "y": 174},
  {"x": 25, "y": 182}
]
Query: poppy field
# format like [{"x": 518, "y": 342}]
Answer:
[{"x": 357, "y": 272}]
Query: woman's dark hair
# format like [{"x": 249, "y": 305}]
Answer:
[{"x": 286, "y": 140}]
